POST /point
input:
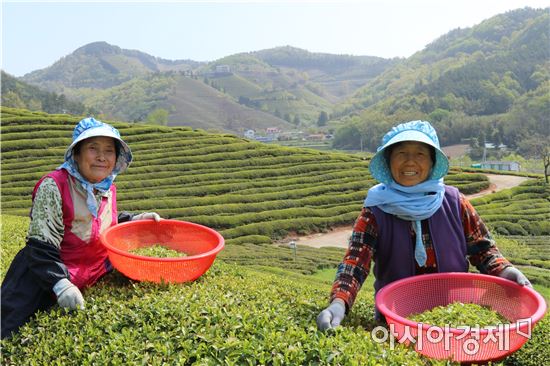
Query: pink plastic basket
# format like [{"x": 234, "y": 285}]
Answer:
[
  {"x": 200, "y": 243},
  {"x": 521, "y": 305}
]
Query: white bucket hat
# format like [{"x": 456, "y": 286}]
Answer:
[
  {"x": 90, "y": 127},
  {"x": 420, "y": 131}
]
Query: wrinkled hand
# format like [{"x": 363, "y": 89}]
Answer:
[
  {"x": 332, "y": 316},
  {"x": 147, "y": 216},
  {"x": 68, "y": 295},
  {"x": 514, "y": 274}
]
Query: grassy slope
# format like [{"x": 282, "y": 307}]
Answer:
[
  {"x": 278, "y": 88},
  {"x": 193, "y": 103}
]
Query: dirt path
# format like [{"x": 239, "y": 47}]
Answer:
[
  {"x": 339, "y": 236},
  {"x": 498, "y": 183}
]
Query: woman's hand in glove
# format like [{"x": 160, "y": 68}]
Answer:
[
  {"x": 514, "y": 274},
  {"x": 68, "y": 295},
  {"x": 147, "y": 216},
  {"x": 332, "y": 316}
]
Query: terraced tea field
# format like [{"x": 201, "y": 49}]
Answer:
[
  {"x": 239, "y": 187},
  {"x": 253, "y": 304},
  {"x": 252, "y": 193}
]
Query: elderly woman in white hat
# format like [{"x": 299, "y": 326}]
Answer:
[
  {"x": 71, "y": 207},
  {"x": 412, "y": 223}
]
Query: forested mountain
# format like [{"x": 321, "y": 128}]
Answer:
[
  {"x": 186, "y": 101},
  {"x": 100, "y": 65},
  {"x": 490, "y": 81},
  {"x": 338, "y": 74},
  {"x": 269, "y": 87},
  {"x": 18, "y": 94}
]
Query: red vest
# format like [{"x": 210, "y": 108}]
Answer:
[{"x": 81, "y": 251}]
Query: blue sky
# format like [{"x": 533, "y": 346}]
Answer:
[{"x": 37, "y": 34}]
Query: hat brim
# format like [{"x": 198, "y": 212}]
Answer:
[
  {"x": 380, "y": 170},
  {"x": 124, "y": 157},
  {"x": 410, "y": 135}
]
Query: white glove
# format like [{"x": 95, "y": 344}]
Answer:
[
  {"x": 68, "y": 295},
  {"x": 332, "y": 316},
  {"x": 147, "y": 216},
  {"x": 514, "y": 274}
]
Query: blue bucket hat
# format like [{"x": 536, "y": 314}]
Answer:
[
  {"x": 420, "y": 131},
  {"x": 90, "y": 127}
]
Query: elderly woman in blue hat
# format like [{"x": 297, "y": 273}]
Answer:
[
  {"x": 71, "y": 207},
  {"x": 412, "y": 223}
]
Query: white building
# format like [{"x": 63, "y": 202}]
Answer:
[
  {"x": 513, "y": 166},
  {"x": 223, "y": 69}
]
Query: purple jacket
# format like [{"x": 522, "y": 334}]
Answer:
[{"x": 394, "y": 255}]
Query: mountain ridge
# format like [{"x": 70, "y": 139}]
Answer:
[
  {"x": 502, "y": 59},
  {"x": 267, "y": 94}
]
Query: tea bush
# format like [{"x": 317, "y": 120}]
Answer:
[
  {"x": 251, "y": 239},
  {"x": 508, "y": 228},
  {"x": 538, "y": 244},
  {"x": 469, "y": 188},
  {"x": 233, "y": 315}
]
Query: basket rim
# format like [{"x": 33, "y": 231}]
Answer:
[
  {"x": 210, "y": 253},
  {"x": 535, "y": 317}
]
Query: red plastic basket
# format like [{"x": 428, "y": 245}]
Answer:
[
  {"x": 521, "y": 305},
  {"x": 200, "y": 243}
]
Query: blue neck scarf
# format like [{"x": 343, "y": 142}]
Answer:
[
  {"x": 414, "y": 203},
  {"x": 102, "y": 187}
]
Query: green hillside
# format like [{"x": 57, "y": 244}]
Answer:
[
  {"x": 100, "y": 65},
  {"x": 240, "y": 187},
  {"x": 283, "y": 97},
  {"x": 282, "y": 82},
  {"x": 187, "y": 100},
  {"x": 196, "y": 104},
  {"x": 237, "y": 186},
  {"x": 18, "y": 94},
  {"x": 488, "y": 81},
  {"x": 295, "y": 82},
  {"x": 338, "y": 75},
  {"x": 252, "y": 193},
  {"x": 258, "y": 303}
]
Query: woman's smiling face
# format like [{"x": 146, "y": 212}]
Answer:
[
  {"x": 410, "y": 162},
  {"x": 96, "y": 158}
]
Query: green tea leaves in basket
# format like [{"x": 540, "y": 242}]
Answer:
[
  {"x": 158, "y": 251},
  {"x": 458, "y": 314}
]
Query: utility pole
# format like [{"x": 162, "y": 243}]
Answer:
[
  {"x": 292, "y": 245},
  {"x": 484, "y": 149}
]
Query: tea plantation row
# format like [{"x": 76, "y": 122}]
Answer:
[
  {"x": 233, "y": 315},
  {"x": 522, "y": 210}
]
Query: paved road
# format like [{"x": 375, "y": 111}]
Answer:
[{"x": 339, "y": 236}]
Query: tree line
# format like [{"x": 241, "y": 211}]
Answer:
[{"x": 17, "y": 94}]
